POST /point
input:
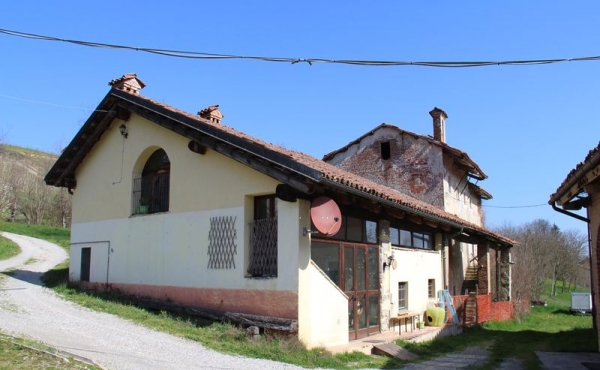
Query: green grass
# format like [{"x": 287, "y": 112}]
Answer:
[
  {"x": 8, "y": 248},
  {"x": 21, "y": 354},
  {"x": 223, "y": 337},
  {"x": 56, "y": 235},
  {"x": 551, "y": 328}
]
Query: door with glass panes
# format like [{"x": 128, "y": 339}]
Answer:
[{"x": 360, "y": 282}]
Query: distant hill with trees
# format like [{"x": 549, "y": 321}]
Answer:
[{"x": 24, "y": 197}]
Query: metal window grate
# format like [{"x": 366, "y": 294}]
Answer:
[
  {"x": 222, "y": 245},
  {"x": 151, "y": 194},
  {"x": 263, "y": 248}
]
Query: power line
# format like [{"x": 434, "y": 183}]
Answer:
[
  {"x": 525, "y": 206},
  {"x": 310, "y": 61},
  {"x": 51, "y": 104}
]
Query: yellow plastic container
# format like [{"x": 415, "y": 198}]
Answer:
[{"x": 435, "y": 316}]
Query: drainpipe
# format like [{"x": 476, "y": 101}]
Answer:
[{"x": 571, "y": 214}]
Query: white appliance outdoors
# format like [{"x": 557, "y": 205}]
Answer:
[{"x": 581, "y": 302}]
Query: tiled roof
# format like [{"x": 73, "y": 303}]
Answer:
[
  {"x": 593, "y": 157},
  {"x": 461, "y": 156},
  {"x": 341, "y": 177}
]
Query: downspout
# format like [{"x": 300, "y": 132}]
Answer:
[{"x": 571, "y": 214}]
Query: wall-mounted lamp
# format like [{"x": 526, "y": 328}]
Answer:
[
  {"x": 390, "y": 262},
  {"x": 123, "y": 131}
]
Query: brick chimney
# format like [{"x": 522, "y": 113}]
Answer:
[
  {"x": 129, "y": 83},
  {"x": 212, "y": 114},
  {"x": 439, "y": 124}
]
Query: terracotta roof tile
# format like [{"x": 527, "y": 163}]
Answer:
[{"x": 575, "y": 173}]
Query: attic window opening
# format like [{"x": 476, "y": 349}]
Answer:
[{"x": 385, "y": 150}]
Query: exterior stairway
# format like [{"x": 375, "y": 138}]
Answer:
[
  {"x": 471, "y": 310},
  {"x": 470, "y": 282}
]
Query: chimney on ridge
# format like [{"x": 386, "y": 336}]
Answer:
[
  {"x": 439, "y": 124},
  {"x": 129, "y": 83},
  {"x": 212, "y": 114}
]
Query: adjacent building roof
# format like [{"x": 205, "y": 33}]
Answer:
[
  {"x": 583, "y": 174},
  {"x": 460, "y": 158},
  {"x": 302, "y": 172}
]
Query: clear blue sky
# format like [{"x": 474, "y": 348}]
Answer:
[{"x": 526, "y": 126}]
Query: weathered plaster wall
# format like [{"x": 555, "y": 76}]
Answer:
[
  {"x": 415, "y": 166},
  {"x": 458, "y": 197}
]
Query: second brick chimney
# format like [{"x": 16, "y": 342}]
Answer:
[
  {"x": 211, "y": 113},
  {"x": 439, "y": 124},
  {"x": 129, "y": 83}
]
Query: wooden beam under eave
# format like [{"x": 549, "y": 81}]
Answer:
[
  {"x": 370, "y": 206},
  {"x": 576, "y": 189},
  {"x": 415, "y": 219},
  {"x": 123, "y": 114},
  {"x": 395, "y": 213},
  {"x": 445, "y": 227},
  {"x": 344, "y": 198},
  {"x": 430, "y": 223},
  {"x": 88, "y": 144}
]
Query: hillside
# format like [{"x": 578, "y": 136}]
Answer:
[{"x": 24, "y": 197}]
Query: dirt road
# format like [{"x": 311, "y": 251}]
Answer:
[{"x": 28, "y": 309}]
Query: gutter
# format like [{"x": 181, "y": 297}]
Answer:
[
  {"x": 593, "y": 162},
  {"x": 441, "y": 220},
  {"x": 571, "y": 214}
]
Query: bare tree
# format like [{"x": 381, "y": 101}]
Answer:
[{"x": 544, "y": 252}]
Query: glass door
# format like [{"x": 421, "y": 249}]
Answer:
[{"x": 361, "y": 285}]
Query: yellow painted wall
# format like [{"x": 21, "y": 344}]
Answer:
[
  {"x": 323, "y": 314},
  {"x": 105, "y": 177},
  {"x": 415, "y": 267},
  {"x": 171, "y": 248}
]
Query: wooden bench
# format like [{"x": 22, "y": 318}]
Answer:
[{"x": 404, "y": 317}]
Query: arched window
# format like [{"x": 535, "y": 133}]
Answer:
[{"x": 151, "y": 191}]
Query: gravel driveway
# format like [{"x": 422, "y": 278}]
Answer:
[{"x": 28, "y": 309}]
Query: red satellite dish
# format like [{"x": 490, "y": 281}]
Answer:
[{"x": 326, "y": 216}]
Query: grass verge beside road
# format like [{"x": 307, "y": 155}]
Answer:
[
  {"x": 21, "y": 354},
  {"x": 8, "y": 248}
]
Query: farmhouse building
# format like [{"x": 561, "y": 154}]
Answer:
[{"x": 181, "y": 207}]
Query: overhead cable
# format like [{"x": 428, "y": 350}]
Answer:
[{"x": 310, "y": 61}]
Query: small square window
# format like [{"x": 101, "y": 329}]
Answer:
[
  {"x": 431, "y": 288},
  {"x": 402, "y": 295}
]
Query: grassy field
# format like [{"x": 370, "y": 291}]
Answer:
[
  {"x": 56, "y": 235},
  {"x": 8, "y": 248},
  {"x": 550, "y": 328}
]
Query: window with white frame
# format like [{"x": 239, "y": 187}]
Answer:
[
  {"x": 431, "y": 288},
  {"x": 402, "y": 295},
  {"x": 411, "y": 239}
]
